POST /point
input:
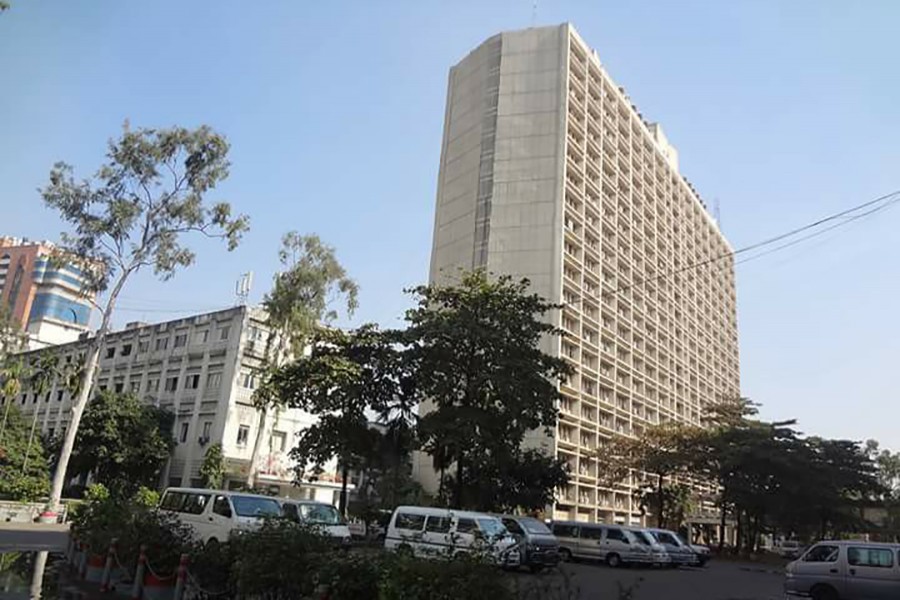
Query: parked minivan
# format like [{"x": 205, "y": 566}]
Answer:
[
  {"x": 318, "y": 514},
  {"x": 613, "y": 544},
  {"x": 538, "y": 546},
  {"x": 659, "y": 556},
  {"x": 436, "y": 532},
  {"x": 682, "y": 553},
  {"x": 215, "y": 514},
  {"x": 846, "y": 570}
]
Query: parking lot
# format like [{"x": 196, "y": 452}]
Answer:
[{"x": 717, "y": 581}]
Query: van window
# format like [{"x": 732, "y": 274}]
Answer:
[
  {"x": 323, "y": 514},
  {"x": 221, "y": 506},
  {"x": 513, "y": 526},
  {"x": 616, "y": 534},
  {"x": 591, "y": 533},
  {"x": 870, "y": 557},
  {"x": 491, "y": 527},
  {"x": 822, "y": 553},
  {"x": 195, "y": 503},
  {"x": 465, "y": 525},
  {"x": 533, "y": 525},
  {"x": 666, "y": 538},
  {"x": 250, "y": 506},
  {"x": 567, "y": 531},
  {"x": 437, "y": 524},
  {"x": 290, "y": 511},
  {"x": 410, "y": 521},
  {"x": 172, "y": 501}
]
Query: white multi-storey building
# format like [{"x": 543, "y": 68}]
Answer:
[
  {"x": 549, "y": 172},
  {"x": 201, "y": 369}
]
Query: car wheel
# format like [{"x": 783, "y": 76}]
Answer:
[
  {"x": 212, "y": 544},
  {"x": 565, "y": 555},
  {"x": 613, "y": 560},
  {"x": 824, "y": 592}
]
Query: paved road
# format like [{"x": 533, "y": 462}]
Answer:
[
  {"x": 718, "y": 581},
  {"x": 33, "y": 536}
]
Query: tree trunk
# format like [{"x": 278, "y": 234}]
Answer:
[
  {"x": 722, "y": 519},
  {"x": 5, "y": 416},
  {"x": 660, "y": 513},
  {"x": 458, "y": 487},
  {"x": 342, "y": 502},
  {"x": 739, "y": 532},
  {"x": 257, "y": 445},
  {"x": 84, "y": 394}
]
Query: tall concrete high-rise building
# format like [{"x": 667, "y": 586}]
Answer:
[
  {"x": 549, "y": 172},
  {"x": 44, "y": 298}
]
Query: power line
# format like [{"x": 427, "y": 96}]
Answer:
[{"x": 887, "y": 200}]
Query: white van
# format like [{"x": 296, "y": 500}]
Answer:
[
  {"x": 845, "y": 570},
  {"x": 215, "y": 514},
  {"x": 442, "y": 532},
  {"x": 320, "y": 515},
  {"x": 615, "y": 545}
]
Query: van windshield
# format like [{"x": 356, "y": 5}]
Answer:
[
  {"x": 643, "y": 538},
  {"x": 491, "y": 527},
  {"x": 532, "y": 525},
  {"x": 250, "y": 506},
  {"x": 324, "y": 514}
]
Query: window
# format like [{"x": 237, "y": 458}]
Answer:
[
  {"x": 59, "y": 396},
  {"x": 870, "y": 557},
  {"x": 465, "y": 525},
  {"x": 201, "y": 337},
  {"x": 153, "y": 385},
  {"x": 143, "y": 346},
  {"x": 50, "y": 431},
  {"x": 616, "y": 535},
  {"x": 223, "y": 333},
  {"x": 252, "y": 506},
  {"x": 213, "y": 381},
  {"x": 277, "y": 441},
  {"x": 35, "y": 399},
  {"x": 207, "y": 426},
  {"x": 192, "y": 382},
  {"x": 249, "y": 381},
  {"x": 567, "y": 531},
  {"x": 591, "y": 533},
  {"x": 162, "y": 344},
  {"x": 243, "y": 435},
  {"x": 195, "y": 503},
  {"x": 173, "y": 500},
  {"x": 180, "y": 340},
  {"x": 411, "y": 522},
  {"x": 47, "y": 397},
  {"x": 222, "y": 507},
  {"x": 822, "y": 553},
  {"x": 666, "y": 538},
  {"x": 134, "y": 387},
  {"x": 184, "y": 432},
  {"x": 437, "y": 524},
  {"x": 171, "y": 384},
  {"x": 119, "y": 386},
  {"x": 126, "y": 350},
  {"x": 290, "y": 511},
  {"x": 513, "y": 527},
  {"x": 111, "y": 352}
]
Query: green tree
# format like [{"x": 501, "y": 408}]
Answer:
[
  {"x": 474, "y": 351},
  {"x": 123, "y": 443},
  {"x": 663, "y": 452},
  {"x": 212, "y": 470},
  {"x": 132, "y": 216},
  {"x": 345, "y": 377},
  {"x": 302, "y": 297},
  {"x": 21, "y": 479},
  {"x": 44, "y": 370},
  {"x": 12, "y": 374}
]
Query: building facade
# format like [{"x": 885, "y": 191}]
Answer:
[
  {"x": 45, "y": 299},
  {"x": 549, "y": 172},
  {"x": 202, "y": 370}
]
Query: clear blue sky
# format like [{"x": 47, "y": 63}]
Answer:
[{"x": 783, "y": 111}]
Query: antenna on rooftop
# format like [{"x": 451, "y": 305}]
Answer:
[{"x": 242, "y": 287}]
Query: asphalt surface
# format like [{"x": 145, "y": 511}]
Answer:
[
  {"x": 33, "y": 536},
  {"x": 716, "y": 581}
]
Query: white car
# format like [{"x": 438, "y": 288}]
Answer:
[
  {"x": 845, "y": 570},
  {"x": 215, "y": 515},
  {"x": 441, "y": 532},
  {"x": 320, "y": 515}
]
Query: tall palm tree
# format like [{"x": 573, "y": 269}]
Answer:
[
  {"x": 44, "y": 372},
  {"x": 12, "y": 373}
]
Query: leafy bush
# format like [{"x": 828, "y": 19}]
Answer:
[
  {"x": 279, "y": 560},
  {"x": 463, "y": 576}
]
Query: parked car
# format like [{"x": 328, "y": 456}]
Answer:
[
  {"x": 682, "y": 553},
  {"x": 538, "y": 546},
  {"x": 788, "y": 548},
  {"x": 845, "y": 570},
  {"x": 659, "y": 556},
  {"x": 320, "y": 515},
  {"x": 613, "y": 544},
  {"x": 215, "y": 515},
  {"x": 440, "y": 532}
]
